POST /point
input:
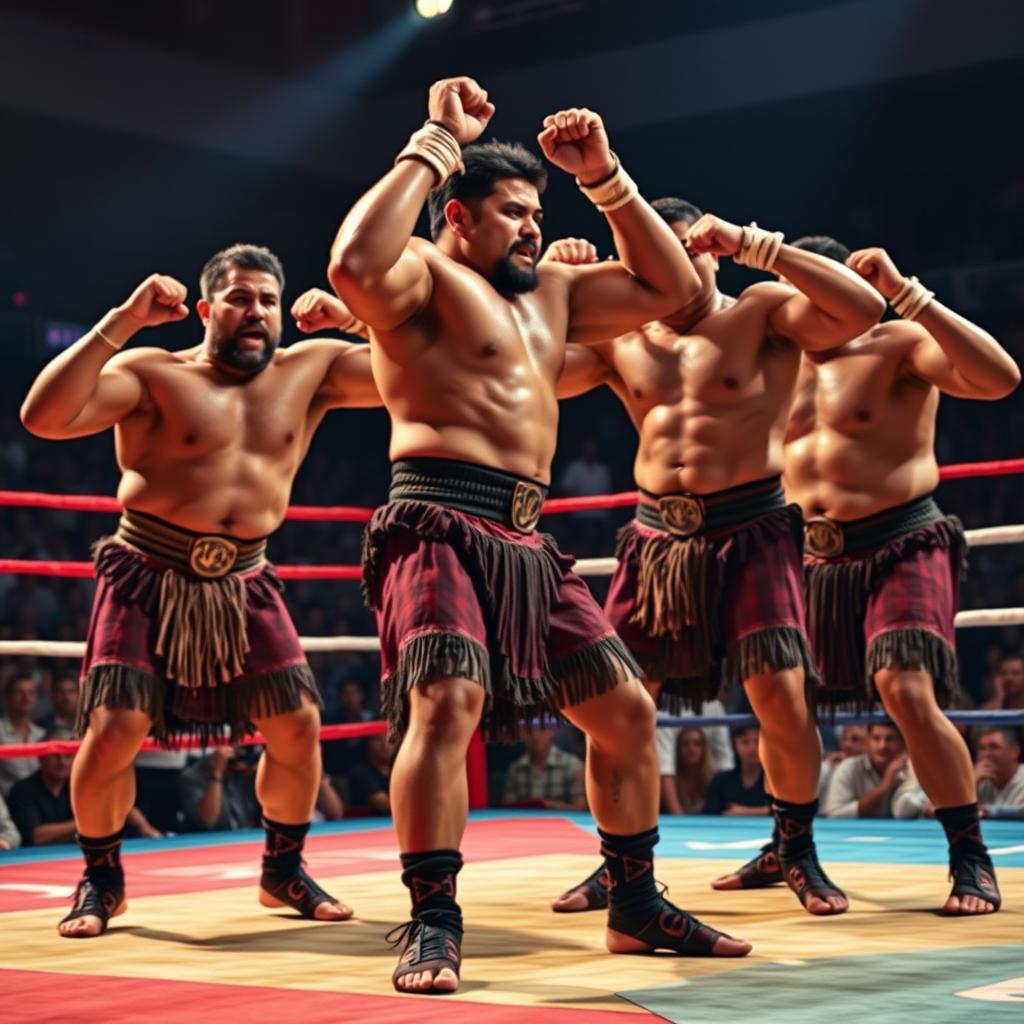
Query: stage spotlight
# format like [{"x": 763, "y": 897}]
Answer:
[{"x": 433, "y": 8}]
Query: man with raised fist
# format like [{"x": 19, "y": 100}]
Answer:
[
  {"x": 480, "y": 616},
  {"x": 883, "y": 563},
  {"x": 189, "y": 631},
  {"x": 710, "y": 578}
]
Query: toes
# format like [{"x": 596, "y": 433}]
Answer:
[
  {"x": 725, "y": 945},
  {"x": 839, "y": 904},
  {"x": 333, "y": 911},
  {"x": 570, "y": 901},
  {"x": 952, "y": 905},
  {"x": 446, "y": 980},
  {"x": 727, "y": 882}
]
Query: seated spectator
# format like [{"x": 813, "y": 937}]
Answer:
[
  {"x": 741, "y": 789},
  {"x": 853, "y": 740},
  {"x": 545, "y": 776},
  {"x": 863, "y": 786},
  {"x": 329, "y": 805},
  {"x": 369, "y": 780},
  {"x": 41, "y": 803},
  {"x": 219, "y": 791},
  {"x": 340, "y": 756},
  {"x": 1007, "y": 687},
  {"x": 10, "y": 837},
  {"x": 64, "y": 697},
  {"x": 21, "y": 695},
  {"x": 1000, "y": 774},
  {"x": 157, "y": 774},
  {"x": 720, "y": 754},
  {"x": 684, "y": 790}
]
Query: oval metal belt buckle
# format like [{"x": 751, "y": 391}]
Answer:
[
  {"x": 527, "y": 502},
  {"x": 682, "y": 516},
  {"x": 210, "y": 557},
  {"x": 823, "y": 537}
]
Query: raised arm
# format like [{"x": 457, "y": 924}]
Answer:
[
  {"x": 348, "y": 380},
  {"x": 382, "y": 278},
  {"x": 91, "y": 386},
  {"x": 952, "y": 353},
  {"x": 830, "y": 304},
  {"x": 653, "y": 276}
]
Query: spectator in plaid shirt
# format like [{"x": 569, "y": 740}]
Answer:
[{"x": 546, "y": 776}]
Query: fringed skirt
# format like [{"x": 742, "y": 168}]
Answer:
[
  {"x": 886, "y": 605},
  {"x": 724, "y": 604},
  {"x": 461, "y": 595},
  {"x": 193, "y": 654}
]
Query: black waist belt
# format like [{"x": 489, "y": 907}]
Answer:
[
  {"x": 205, "y": 555},
  {"x": 686, "y": 515},
  {"x": 829, "y": 538},
  {"x": 478, "y": 490}
]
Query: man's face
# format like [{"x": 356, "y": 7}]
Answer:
[
  {"x": 23, "y": 699},
  {"x": 853, "y": 740},
  {"x": 65, "y": 696},
  {"x": 1011, "y": 674},
  {"x": 352, "y": 698},
  {"x": 1002, "y": 756},
  {"x": 705, "y": 264},
  {"x": 540, "y": 741},
  {"x": 884, "y": 745},
  {"x": 504, "y": 235},
  {"x": 56, "y": 768},
  {"x": 243, "y": 318},
  {"x": 746, "y": 748}
]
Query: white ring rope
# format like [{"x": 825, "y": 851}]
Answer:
[{"x": 584, "y": 567}]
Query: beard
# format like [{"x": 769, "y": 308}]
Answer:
[
  {"x": 509, "y": 276},
  {"x": 228, "y": 350}
]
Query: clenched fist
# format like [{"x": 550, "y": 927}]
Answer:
[
  {"x": 713, "y": 235},
  {"x": 877, "y": 268},
  {"x": 461, "y": 106},
  {"x": 574, "y": 251},
  {"x": 317, "y": 310},
  {"x": 158, "y": 300},
  {"x": 575, "y": 141}
]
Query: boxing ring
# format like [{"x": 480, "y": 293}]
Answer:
[{"x": 195, "y": 942}]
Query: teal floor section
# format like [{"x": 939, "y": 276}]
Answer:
[
  {"x": 868, "y": 841},
  {"x": 983, "y": 984}
]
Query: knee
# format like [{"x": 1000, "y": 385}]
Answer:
[
  {"x": 293, "y": 735},
  {"x": 906, "y": 695},
  {"x": 117, "y": 730},
  {"x": 446, "y": 711},
  {"x": 631, "y": 721},
  {"x": 779, "y": 700}
]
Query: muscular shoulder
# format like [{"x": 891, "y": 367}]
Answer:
[
  {"x": 900, "y": 335},
  {"x": 311, "y": 349},
  {"x": 769, "y": 294}
]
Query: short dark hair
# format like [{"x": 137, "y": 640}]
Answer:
[
  {"x": 742, "y": 730},
  {"x": 245, "y": 257},
  {"x": 60, "y": 732},
  {"x": 674, "y": 210},
  {"x": 1008, "y": 734},
  {"x": 485, "y": 165},
  {"x": 15, "y": 679},
  {"x": 823, "y": 245}
]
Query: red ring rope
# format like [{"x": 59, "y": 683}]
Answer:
[
  {"x": 352, "y": 514},
  {"x": 344, "y": 731}
]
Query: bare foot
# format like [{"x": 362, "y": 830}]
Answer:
[
  {"x": 825, "y": 906},
  {"x": 967, "y": 905},
  {"x": 727, "y": 882},
  {"x": 444, "y": 980},
  {"x": 334, "y": 910},
  {"x": 723, "y": 945},
  {"x": 89, "y": 925},
  {"x": 570, "y": 902}
]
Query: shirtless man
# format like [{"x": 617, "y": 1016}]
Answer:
[
  {"x": 883, "y": 563},
  {"x": 480, "y": 617},
  {"x": 710, "y": 579},
  {"x": 189, "y": 631}
]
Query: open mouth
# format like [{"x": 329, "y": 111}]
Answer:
[
  {"x": 251, "y": 339},
  {"x": 525, "y": 252}
]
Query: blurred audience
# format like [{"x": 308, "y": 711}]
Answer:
[
  {"x": 63, "y": 704},
  {"x": 219, "y": 791},
  {"x": 865, "y": 785},
  {"x": 741, "y": 789},
  {"x": 999, "y": 774},
  {"x": 40, "y": 804},
  {"x": 369, "y": 781},
  {"x": 10, "y": 837},
  {"x": 545, "y": 776},
  {"x": 21, "y": 695},
  {"x": 685, "y": 789}
]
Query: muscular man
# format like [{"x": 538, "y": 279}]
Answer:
[
  {"x": 709, "y": 583},
  {"x": 189, "y": 631},
  {"x": 883, "y": 563},
  {"x": 479, "y": 615}
]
